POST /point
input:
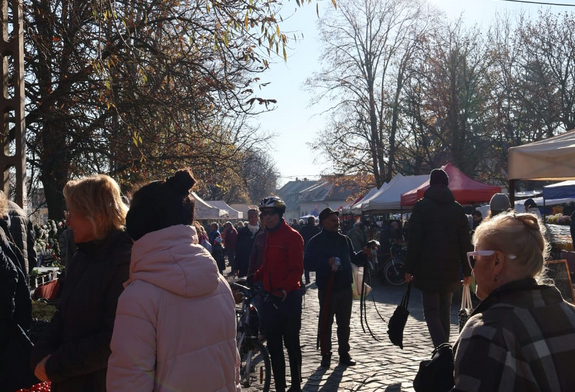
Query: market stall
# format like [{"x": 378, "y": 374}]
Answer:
[
  {"x": 551, "y": 159},
  {"x": 388, "y": 198},
  {"x": 465, "y": 190},
  {"x": 204, "y": 210},
  {"x": 355, "y": 208},
  {"x": 222, "y": 205}
]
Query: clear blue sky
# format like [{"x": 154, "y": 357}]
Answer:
[{"x": 294, "y": 121}]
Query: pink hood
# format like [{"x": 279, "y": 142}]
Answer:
[
  {"x": 176, "y": 320},
  {"x": 173, "y": 260}
]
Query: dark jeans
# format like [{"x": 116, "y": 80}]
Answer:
[
  {"x": 340, "y": 306},
  {"x": 437, "y": 313},
  {"x": 282, "y": 324}
]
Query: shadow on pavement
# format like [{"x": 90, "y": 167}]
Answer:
[{"x": 329, "y": 384}]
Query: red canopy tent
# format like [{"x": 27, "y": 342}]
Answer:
[{"x": 464, "y": 189}]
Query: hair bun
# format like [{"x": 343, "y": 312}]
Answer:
[{"x": 182, "y": 181}]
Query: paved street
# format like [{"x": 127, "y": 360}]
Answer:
[{"x": 381, "y": 366}]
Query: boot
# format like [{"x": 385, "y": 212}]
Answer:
[{"x": 325, "y": 360}]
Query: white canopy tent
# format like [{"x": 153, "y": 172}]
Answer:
[
  {"x": 388, "y": 198},
  {"x": 205, "y": 210},
  {"x": 551, "y": 159},
  {"x": 356, "y": 208},
  {"x": 222, "y": 205}
]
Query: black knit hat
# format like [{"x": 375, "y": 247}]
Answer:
[
  {"x": 162, "y": 204},
  {"x": 438, "y": 176}
]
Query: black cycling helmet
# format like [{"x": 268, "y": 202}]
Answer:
[{"x": 273, "y": 202}]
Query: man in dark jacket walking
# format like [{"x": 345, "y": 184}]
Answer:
[
  {"x": 330, "y": 254},
  {"x": 436, "y": 253},
  {"x": 307, "y": 232}
]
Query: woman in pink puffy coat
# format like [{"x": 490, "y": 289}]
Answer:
[{"x": 175, "y": 324}]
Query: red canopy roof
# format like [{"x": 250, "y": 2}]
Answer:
[{"x": 464, "y": 189}]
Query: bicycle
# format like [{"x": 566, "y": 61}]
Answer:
[
  {"x": 394, "y": 269},
  {"x": 255, "y": 368}
]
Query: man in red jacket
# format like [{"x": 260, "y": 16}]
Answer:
[{"x": 280, "y": 273}]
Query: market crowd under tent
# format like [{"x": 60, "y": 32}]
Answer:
[
  {"x": 465, "y": 190},
  {"x": 388, "y": 198},
  {"x": 223, "y": 206}
]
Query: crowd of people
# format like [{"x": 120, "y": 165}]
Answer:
[{"x": 145, "y": 306}]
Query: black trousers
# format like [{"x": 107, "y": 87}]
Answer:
[
  {"x": 282, "y": 327},
  {"x": 340, "y": 306}
]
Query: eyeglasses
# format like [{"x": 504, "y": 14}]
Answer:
[
  {"x": 471, "y": 256},
  {"x": 265, "y": 213}
]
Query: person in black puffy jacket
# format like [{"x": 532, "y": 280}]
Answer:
[{"x": 436, "y": 253}]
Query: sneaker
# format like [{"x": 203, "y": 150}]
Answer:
[
  {"x": 325, "y": 361},
  {"x": 346, "y": 361}
]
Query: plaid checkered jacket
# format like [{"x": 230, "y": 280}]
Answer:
[{"x": 521, "y": 338}]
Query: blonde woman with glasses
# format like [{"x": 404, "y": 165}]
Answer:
[{"x": 521, "y": 337}]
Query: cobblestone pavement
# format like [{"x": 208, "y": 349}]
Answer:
[{"x": 381, "y": 366}]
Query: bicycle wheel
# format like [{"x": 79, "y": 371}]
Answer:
[
  {"x": 394, "y": 273},
  {"x": 255, "y": 370}
]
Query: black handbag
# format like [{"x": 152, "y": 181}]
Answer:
[
  {"x": 436, "y": 374},
  {"x": 397, "y": 322},
  {"x": 15, "y": 369}
]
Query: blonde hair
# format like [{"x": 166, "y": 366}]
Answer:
[
  {"x": 99, "y": 200},
  {"x": 521, "y": 235}
]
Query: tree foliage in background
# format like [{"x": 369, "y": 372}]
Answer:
[
  {"x": 368, "y": 45},
  {"x": 446, "y": 100},
  {"x": 436, "y": 92},
  {"x": 138, "y": 88}
]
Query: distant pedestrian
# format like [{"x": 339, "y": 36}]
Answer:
[
  {"x": 203, "y": 236},
  {"x": 176, "y": 322},
  {"x": 295, "y": 224},
  {"x": 307, "y": 232},
  {"x": 214, "y": 232},
  {"x": 476, "y": 219},
  {"x": 436, "y": 253},
  {"x": 245, "y": 242},
  {"x": 357, "y": 236},
  {"x": 499, "y": 203},
  {"x": 532, "y": 208},
  {"x": 219, "y": 254},
  {"x": 230, "y": 236}
]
